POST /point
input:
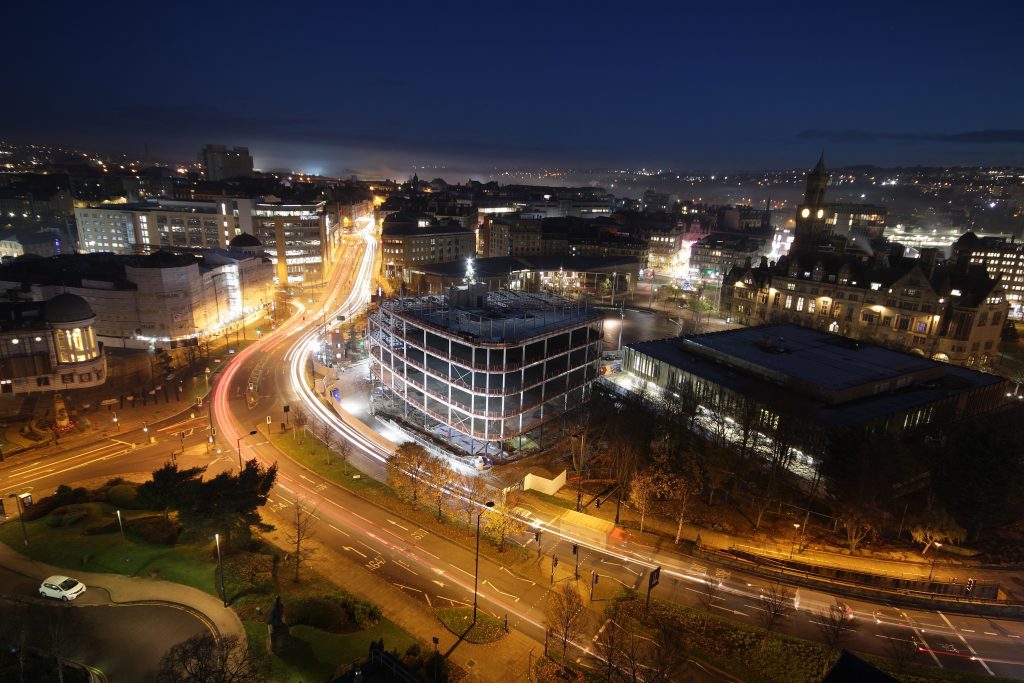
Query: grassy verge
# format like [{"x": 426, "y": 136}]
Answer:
[
  {"x": 550, "y": 500},
  {"x": 314, "y": 455},
  {"x": 459, "y": 620},
  {"x": 69, "y": 547},
  {"x": 316, "y": 655}
]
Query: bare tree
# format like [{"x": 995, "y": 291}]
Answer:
[
  {"x": 679, "y": 491},
  {"x": 900, "y": 651},
  {"x": 716, "y": 471},
  {"x": 565, "y": 615},
  {"x": 344, "y": 451},
  {"x": 609, "y": 639},
  {"x": 330, "y": 439},
  {"x": 299, "y": 533},
  {"x": 708, "y": 595},
  {"x": 441, "y": 477},
  {"x": 501, "y": 520},
  {"x": 856, "y": 523},
  {"x": 775, "y": 606},
  {"x": 300, "y": 418},
  {"x": 643, "y": 491},
  {"x": 473, "y": 490},
  {"x": 624, "y": 456},
  {"x": 204, "y": 659},
  {"x": 60, "y": 627},
  {"x": 665, "y": 656},
  {"x": 836, "y": 625}
]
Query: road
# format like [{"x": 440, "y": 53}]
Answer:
[
  {"x": 126, "y": 642},
  {"x": 438, "y": 571}
]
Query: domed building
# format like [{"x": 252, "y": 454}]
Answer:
[
  {"x": 49, "y": 346},
  {"x": 247, "y": 244}
]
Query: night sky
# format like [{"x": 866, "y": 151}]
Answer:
[{"x": 381, "y": 86}]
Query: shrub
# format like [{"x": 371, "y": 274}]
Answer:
[
  {"x": 67, "y": 516},
  {"x": 322, "y": 613},
  {"x": 156, "y": 530},
  {"x": 363, "y": 613},
  {"x": 102, "y": 528},
  {"x": 64, "y": 495},
  {"x": 124, "y": 496}
]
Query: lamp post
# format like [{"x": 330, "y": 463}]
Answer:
[
  {"x": 622, "y": 320},
  {"x": 476, "y": 572},
  {"x": 21, "y": 518},
  {"x": 120, "y": 523},
  {"x": 220, "y": 569},
  {"x": 931, "y": 571},
  {"x": 614, "y": 275},
  {"x": 238, "y": 447},
  {"x": 116, "y": 423},
  {"x": 792, "y": 545}
]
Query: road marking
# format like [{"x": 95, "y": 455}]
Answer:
[
  {"x": 408, "y": 587},
  {"x": 514, "y": 597},
  {"x": 460, "y": 569},
  {"x": 439, "y": 583},
  {"x": 337, "y": 529},
  {"x": 631, "y": 571},
  {"x": 989, "y": 633},
  {"x": 920, "y": 635},
  {"x": 345, "y": 547},
  {"x": 391, "y": 521},
  {"x": 961, "y": 636},
  {"x": 406, "y": 567}
]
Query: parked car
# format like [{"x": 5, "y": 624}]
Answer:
[{"x": 61, "y": 587}]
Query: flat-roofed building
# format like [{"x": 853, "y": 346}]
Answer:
[{"x": 479, "y": 369}]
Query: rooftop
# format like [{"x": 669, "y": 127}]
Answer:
[
  {"x": 494, "y": 317},
  {"x": 837, "y": 379}
]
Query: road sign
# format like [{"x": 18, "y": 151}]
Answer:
[
  {"x": 655, "y": 577},
  {"x": 286, "y": 409},
  {"x": 268, "y": 419}
]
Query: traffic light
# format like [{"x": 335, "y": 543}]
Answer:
[
  {"x": 970, "y": 585},
  {"x": 536, "y": 536},
  {"x": 575, "y": 548},
  {"x": 554, "y": 561}
]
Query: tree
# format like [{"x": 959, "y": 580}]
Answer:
[
  {"x": 230, "y": 502},
  {"x": 624, "y": 456},
  {"x": 857, "y": 524},
  {"x": 170, "y": 487},
  {"x": 407, "y": 469},
  {"x": 707, "y": 595},
  {"x": 836, "y": 625},
  {"x": 61, "y": 625},
  {"x": 441, "y": 477},
  {"x": 936, "y": 526},
  {"x": 776, "y": 604},
  {"x": 609, "y": 639},
  {"x": 716, "y": 471},
  {"x": 472, "y": 494},
  {"x": 643, "y": 490},
  {"x": 330, "y": 439},
  {"x": 901, "y": 651},
  {"x": 204, "y": 659},
  {"x": 501, "y": 520},
  {"x": 679, "y": 489},
  {"x": 299, "y": 534},
  {"x": 300, "y": 418},
  {"x": 344, "y": 451},
  {"x": 564, "y": 615}
]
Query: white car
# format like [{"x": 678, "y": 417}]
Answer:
[{"x": 61, "y": 587}]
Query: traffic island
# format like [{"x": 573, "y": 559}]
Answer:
[{"x": 459, "y": 620}]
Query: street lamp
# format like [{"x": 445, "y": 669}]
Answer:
[
  {"x": 796, "y": 529},
  {"x": 19, "y": 497},
  {"x": 238, "y": 447},
  {"x": 934, "y": 557},
  {"x": 220, "y": 568},
  {"x": 622, "y": 320},
  {"x": 120, "y": 523},
  {"x": 476, "y": 572},
  {"x": 613, "y": 288},
  {"x": 116, "y": 423}
]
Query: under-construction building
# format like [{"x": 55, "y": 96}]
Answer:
[{"x": 485, "y": 370}]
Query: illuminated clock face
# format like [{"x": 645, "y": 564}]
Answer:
[
  {"x": 821, "y": 212},
  {"x": 805, "y": 213}
]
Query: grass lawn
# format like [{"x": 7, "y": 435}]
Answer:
[
  {"x": 70, "y": 548},
  {"x": 314, "y": 655},
  {"x": 551, "y": 500},
  {"x": 312, "y": 453},
  {"x": 459, "y": 620}
]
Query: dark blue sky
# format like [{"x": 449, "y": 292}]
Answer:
[{"x": 384, "y": 85}]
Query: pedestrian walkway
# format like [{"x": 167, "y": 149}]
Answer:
[
  {"x": 660, "y": 534},
  {"x": 506, "y": 661},
  {"x": 130, "y": 589}
]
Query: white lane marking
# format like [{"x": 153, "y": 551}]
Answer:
[
  {"x": 961, "y": 636},
  {"x": 390, "y": 521},
  {"x": 919, "y": 633},
  {"x": 362, "y": 555},
  {"x": 460, "y": 569},
  {"x": 337, "y": 529},
  {"x": 514, "y": 597}
]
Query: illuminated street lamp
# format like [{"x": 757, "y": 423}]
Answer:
[
  {"x": 476, "y": 573},
  {"x": 20, "y": 498},
  {"x": 238, "y": 447},
  {"x": 931, "y": 571},
  {"x": 220, "y": 567},
  {"x": 792, "y": 546},
  {"x": 116, "y": 423}
]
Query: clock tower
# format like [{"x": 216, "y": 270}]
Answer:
[{"x": 810, "y": 215}]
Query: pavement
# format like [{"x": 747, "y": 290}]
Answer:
[{"x": 124, "y": 590}]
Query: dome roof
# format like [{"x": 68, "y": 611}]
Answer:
[
  {"x": 67, "y": 308},
  {"x": 244, "y": 239}
]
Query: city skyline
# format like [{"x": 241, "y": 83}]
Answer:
[{"x": 474, "y": 88}]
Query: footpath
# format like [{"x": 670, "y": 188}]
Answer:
[
  {"x": 505, "y": 661},
  {"x": 131, "y": 589},
  {"x": 659, "y": 534}
]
